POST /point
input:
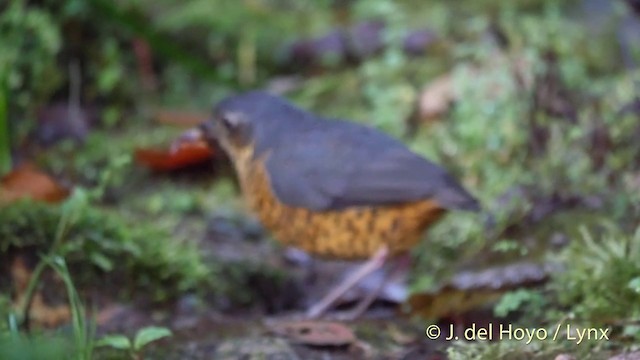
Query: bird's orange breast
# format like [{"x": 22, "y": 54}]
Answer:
[{"x": 351, "y": 233}]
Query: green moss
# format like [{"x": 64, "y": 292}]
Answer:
[
  {"x": 100, "y": 245},
  {"x": 601, "y": 270}
]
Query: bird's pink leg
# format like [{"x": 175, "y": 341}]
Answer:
[
  {"x": 399, "y": 267},
  {"x": 373, "y": 264}
]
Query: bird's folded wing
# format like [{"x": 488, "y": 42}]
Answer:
[{"x": 327, "y": 169}]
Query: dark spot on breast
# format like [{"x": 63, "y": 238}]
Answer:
[
  {"x": 350, "y": 226},
  {"x": 395, "y": 225},
  {"x": 371, "y": 220}
]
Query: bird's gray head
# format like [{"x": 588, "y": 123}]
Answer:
[{"x": 250, "y": 119}]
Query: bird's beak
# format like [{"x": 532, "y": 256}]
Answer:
[
  {"x": 207, "y": 130},
  {"x": 201, "y": 133},
  {"x": 192, "y": 135}
]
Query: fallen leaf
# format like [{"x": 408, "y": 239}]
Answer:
[
  {"x": 177, "y": 157},
  {"x": 502, "y": 277},
  {"x": 436, "y": 98},
  {"x": 314, "y": 333},
  {"x": 476, "y": 289},
  {"x": 28, "y": 182}
]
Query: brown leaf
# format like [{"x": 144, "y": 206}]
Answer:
[
  {"x": 28, "y": 182},
  {"x": 49, "y": 316},
  {"x": 183, "y": 155},
  {"x": 436, "y": 98},
  {"x": 315, "y": 333}
]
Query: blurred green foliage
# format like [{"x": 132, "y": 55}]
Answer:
[
  {"x": 536, "y": 130},
  {"x": 5, "y": 144},
  {"x": 30, "y": 41},
  {"x": 18, "y": 347}
]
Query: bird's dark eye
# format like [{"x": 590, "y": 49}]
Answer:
[
  {"x": 234, "y": 125},
  {"x": 226, "y": 122},
  {"x": 230, "y": 121}
]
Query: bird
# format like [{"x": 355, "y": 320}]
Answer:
[{"x": 331, "y": 187}]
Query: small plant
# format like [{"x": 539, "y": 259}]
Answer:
[
  {"x": 18, "y": 345},
  {"x": 601, "y": 283},
  {"x": 55, "y": 256},
  {"x": 142, "y": 338},
  {"x": 83, "y": 328}
]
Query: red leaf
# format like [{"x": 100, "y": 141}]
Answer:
[{"x": 183, "y": 155}]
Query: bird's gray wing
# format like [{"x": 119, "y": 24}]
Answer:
[{"x": 332, "y": 167}]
